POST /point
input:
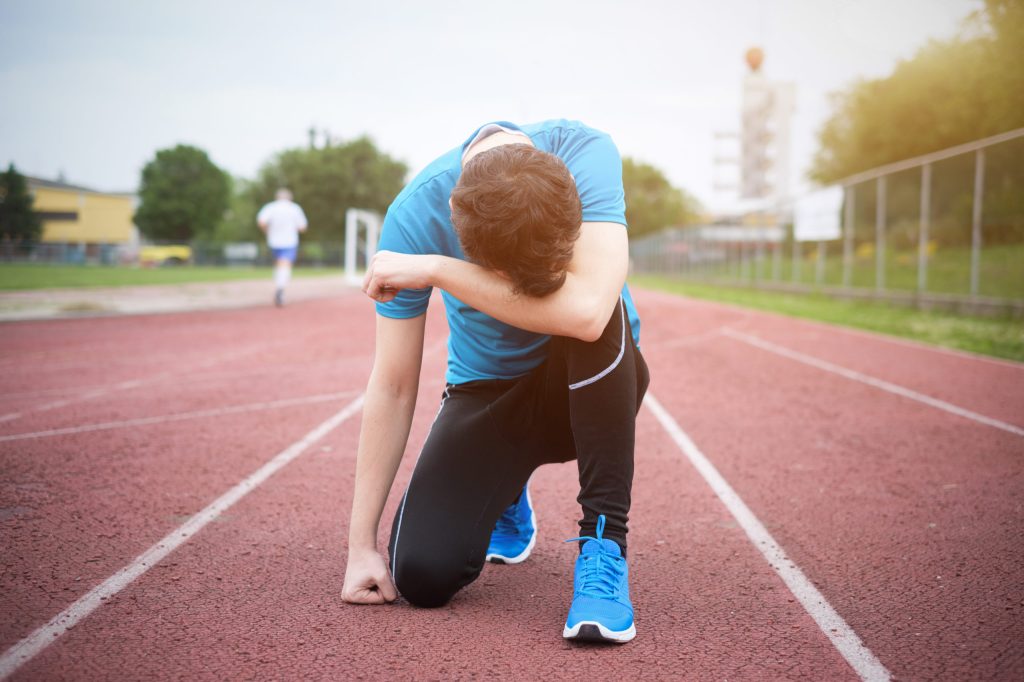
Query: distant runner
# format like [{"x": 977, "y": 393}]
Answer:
[
  {"x": 523, "y": 229},
  {"x": 282, "y": 221}
]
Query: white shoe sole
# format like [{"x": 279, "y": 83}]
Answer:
[
  {"x": 592, "y": 631},
  {"x": 521, "y": 557}
]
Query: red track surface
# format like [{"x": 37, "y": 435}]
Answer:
[{"x": 907, "y": 518}]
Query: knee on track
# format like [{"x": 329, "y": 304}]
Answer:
[{"x": 428, "y": 581}]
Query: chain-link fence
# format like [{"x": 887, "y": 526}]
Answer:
[{"x": 942, "y": 230}]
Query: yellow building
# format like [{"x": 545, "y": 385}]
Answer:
[{"x": 90, "y": 223}]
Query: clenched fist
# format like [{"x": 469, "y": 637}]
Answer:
[
  {"x": 390, "y": 272},
  {"x": 367, "y": 579}
]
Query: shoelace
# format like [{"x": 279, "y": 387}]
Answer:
[{"x": 602, "y": 572}]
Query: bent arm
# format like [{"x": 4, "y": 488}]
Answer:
[
  {"x": 578, "y": 309},
  {"x": 387, "y": 417}
]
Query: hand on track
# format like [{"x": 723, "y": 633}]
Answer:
[{"x": 367, "y": 580}]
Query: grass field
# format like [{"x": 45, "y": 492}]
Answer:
[
  {"x": 999, "y": 337},
  {"x": 20, "y": 276},
  {"x": 1001, "y": 269}
]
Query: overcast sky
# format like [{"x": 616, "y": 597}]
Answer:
[{"x": 93, "y": 89}]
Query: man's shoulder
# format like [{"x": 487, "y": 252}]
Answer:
[
  {"x": 563, "y": 128},
  {"x": 432, "y": 185}
]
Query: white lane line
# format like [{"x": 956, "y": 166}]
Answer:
[
  {"x": 921, "y": 345},
  {"x": 99, "y": 391},
  {"x": 180, "y": 416},
  {"x": 877, "y": 336},
  {"x": 871, "y": 381},
  {"x": 36, "y": 642},
  {"x": 688, "y": 340},
  {"x": 842, "y": 636},
  {"x": 64, "y": 402}
]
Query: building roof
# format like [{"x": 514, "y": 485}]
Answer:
[{"x": 57, "y": 184}]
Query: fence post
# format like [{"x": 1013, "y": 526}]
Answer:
[
  {"x": 922, "y": 240},
  {"x": 848, "y": 238},
  {"x": 880, "y": 234},
  {"x": 797, "y": 253},
  {"x": 776, "y": 261},
  {"x": 819, "y": 270},
  {"x": 351, "y": 235},
  {"x": 758, "y": 258},
  {"x": 979, "y": 190}
]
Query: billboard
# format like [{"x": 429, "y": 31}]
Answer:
[{"x": 817, "y": 216}]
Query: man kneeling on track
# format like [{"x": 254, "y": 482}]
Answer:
[{"x": 523, "y": 230}]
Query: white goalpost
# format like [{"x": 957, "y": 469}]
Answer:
[{"x": 359, "y": 222}]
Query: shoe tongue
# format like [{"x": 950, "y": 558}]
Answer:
[{"x": 604, "y": 545}]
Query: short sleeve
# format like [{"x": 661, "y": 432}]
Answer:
[
  {"x": 597, "y": 167},
  {"x": 400, "y": 234},
  {"x": 301, "y": 216},
  {"x": 261, "y": 217}
]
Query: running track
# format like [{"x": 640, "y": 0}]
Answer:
[{"x": 809, "y": 503}]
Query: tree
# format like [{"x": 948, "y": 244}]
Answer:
[
  {"x": 652, "y": 203},
  {"x": 328, "y": 180},
  {"x": 183, "y": 195},
  {"x": 18, "y": 224},
  {"x": 239, "y": 221},
  {"x": 950, "y": 92}
]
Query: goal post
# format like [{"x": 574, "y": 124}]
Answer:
[{"x": 365, "y": 224}]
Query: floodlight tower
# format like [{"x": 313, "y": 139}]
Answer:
[{"x": 767, "y": 111}]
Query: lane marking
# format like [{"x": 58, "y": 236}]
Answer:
[
  {"x": 64, "y": 402},
  {"x": 834, "y": 327},
  {"x": 100, "y": 391},
  {"x": 687, "y": 340},
  {"x": 180, "y": 416},
  {"x": 26, "y": 649},
  {"x": 842, "y": 636},
  {"x": 97, "y": 391},
  {"x": 205, "y": 378},
  {"x": 958, "y": 353},
  {"x": 37, "y": 392},
  {"x": 871, "y": 381}
]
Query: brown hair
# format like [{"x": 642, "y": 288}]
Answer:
[{"x": 516, "y": 209}]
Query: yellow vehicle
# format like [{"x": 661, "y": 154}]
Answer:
[{"x": 169, "y": 254}]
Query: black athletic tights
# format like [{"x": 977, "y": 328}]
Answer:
[{"x": 489, "y": 436}]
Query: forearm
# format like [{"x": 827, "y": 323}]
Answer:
[
  {"x": 387, "y": 417},
  {"x": 578, "y": 309}
]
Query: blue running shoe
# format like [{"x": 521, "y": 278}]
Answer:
[
  {"x": 515, "y": 533},
  {"x": 601, "y": 610}
]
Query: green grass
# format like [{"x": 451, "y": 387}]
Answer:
[
  {"x": 21, "y": 276},
  {"x": 1001, "y": 271},
  {"x": 999, "y": 337}
]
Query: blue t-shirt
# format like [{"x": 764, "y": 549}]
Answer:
[{"x": 419, "y": 222}]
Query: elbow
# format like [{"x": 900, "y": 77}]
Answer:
[
  {"x": 590, "y": 330},
  {"x": 395, "y": 387},
  {"x": 591, "y": 323},
  {"x": 398, "y": 393},
  {"x": 595, "y": 315}
]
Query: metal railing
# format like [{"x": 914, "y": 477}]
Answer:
[{"x": 942, "y": 229}]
